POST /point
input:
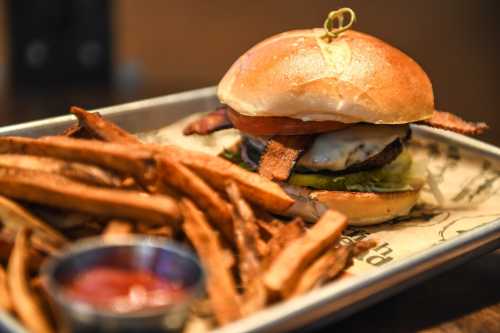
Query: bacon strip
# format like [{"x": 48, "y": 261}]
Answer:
[
  {"x": 209, "y": 123},
  {"x": 451, "y": 122},
  {"x": 281, "y": 153}
]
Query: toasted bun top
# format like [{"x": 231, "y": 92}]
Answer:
[{"x": 355, "y": 78}]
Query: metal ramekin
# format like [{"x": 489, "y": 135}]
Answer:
[{"x": 162, "y": 257}]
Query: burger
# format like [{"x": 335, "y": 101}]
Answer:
[{"x": 330, "y": 121}]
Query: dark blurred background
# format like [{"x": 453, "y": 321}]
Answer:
[{"x": 94, "y": 53}]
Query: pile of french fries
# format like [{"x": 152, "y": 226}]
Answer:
[{"x": 98, "y": 179}]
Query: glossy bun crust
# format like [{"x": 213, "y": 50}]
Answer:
[{"x": 355, "y": 78}]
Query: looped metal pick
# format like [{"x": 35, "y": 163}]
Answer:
[{"x": 332, "y": 30}]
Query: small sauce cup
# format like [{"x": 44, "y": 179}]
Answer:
[{"x": 142, "y": 263}]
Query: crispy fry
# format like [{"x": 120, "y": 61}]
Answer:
[
  {"x": 88, "y": 230},
  {"x": 363, "y": 246},
  {"x": 86, "y": 173},
  {"x": 286, "y": 233},
  {"x": 343, "y": 259},
  {"x": 177, "y": 175},
  {"x": 58, "y": 191},
  {"x": 270, "y": 229},
  {"x": 246, "y": 233},
  {"x": 216, "y": 171},
  {"x": 324, "y": 268},
  {"x": 283, "y": 272},
  {"x": 220, "y": 283},
  {"x": 25, "y": 303},
  {"x": 102, "y": 128},
  {"x": 247, "y": 240},
  {"x": 78, "y": 132},
  {"x": 43, "y": 246},
  {"x": 14, "y": 217},
  {"x": 62, "y": 219},
  {"x": 117, "y": 228},
  {"x": 268, "y": 224},
  {"x": 5, "y": 247},
  {"x": 280, "y": 155},
  {"x": 7, "y": 239},
  {"x": 71, "y": 130},
  {"x": 163, "y": 231},
  {"x": 124, "y": 159},
  {"x": 5, "y": 299},
  {"x": 197, "y": 324}
]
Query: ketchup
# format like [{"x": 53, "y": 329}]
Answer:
[{"x": 123, "y": 290}]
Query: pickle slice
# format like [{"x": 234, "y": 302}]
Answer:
[{"x": 402, "y": 174}]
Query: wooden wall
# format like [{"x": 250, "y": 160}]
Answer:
[{"x": 183, "y": 44}]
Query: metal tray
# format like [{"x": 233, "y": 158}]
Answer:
[{"x": 334, "y": 301}]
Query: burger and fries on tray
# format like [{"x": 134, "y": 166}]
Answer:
[{"x": 322, "y": 119}]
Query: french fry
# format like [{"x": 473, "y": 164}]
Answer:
[
  {"x": 124, "y": 159},
  {"x": 5, "y": 247},
  {"x": 79, "y": 185},
  {"x": 285, "y": 269},
  {"x": 220, "y": 283},
  {"x": 162, "y": 231},
  {"x": 72, "y": 131},
  {"x": 14, "y": 217},
  {"x": 197, "y": 324},
  {"x": 117, "y": 228},
  {"x": 102, "y": 128},
  {"x": 270, "y": 229},
  {"x": 246, "y": 234},
  {"x": 5, "y": 299},
  {"x": 25, "y": 302},
  {"x": 7, "y": 240},
  {"x": 323, "y": 269},
  {"x": 284, "y": 235},
  {"x": 363, "y": 246},
  {"x": 184, "y": 180},
  {"x": 88, "y": 230},
  {"x": 78, "y": 132},
  {"x": 58, "y": 191},
  {"x": 86, "y": 173},
  {"x": 45, "y": 247},
  {"x": 247, "y": 240},
  {"x": 62, "y": 219},
  {"x": 343, "y": 259},
  {"x": 267, "y": 223},
  {"x": 216, "y": 171}
]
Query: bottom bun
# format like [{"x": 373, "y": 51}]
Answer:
[{"x": 361, "y": 208}]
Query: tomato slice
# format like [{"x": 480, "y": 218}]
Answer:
[{"x": 281, "y": 125}]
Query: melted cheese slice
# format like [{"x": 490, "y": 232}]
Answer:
[{"x": 340, "y": 149}]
